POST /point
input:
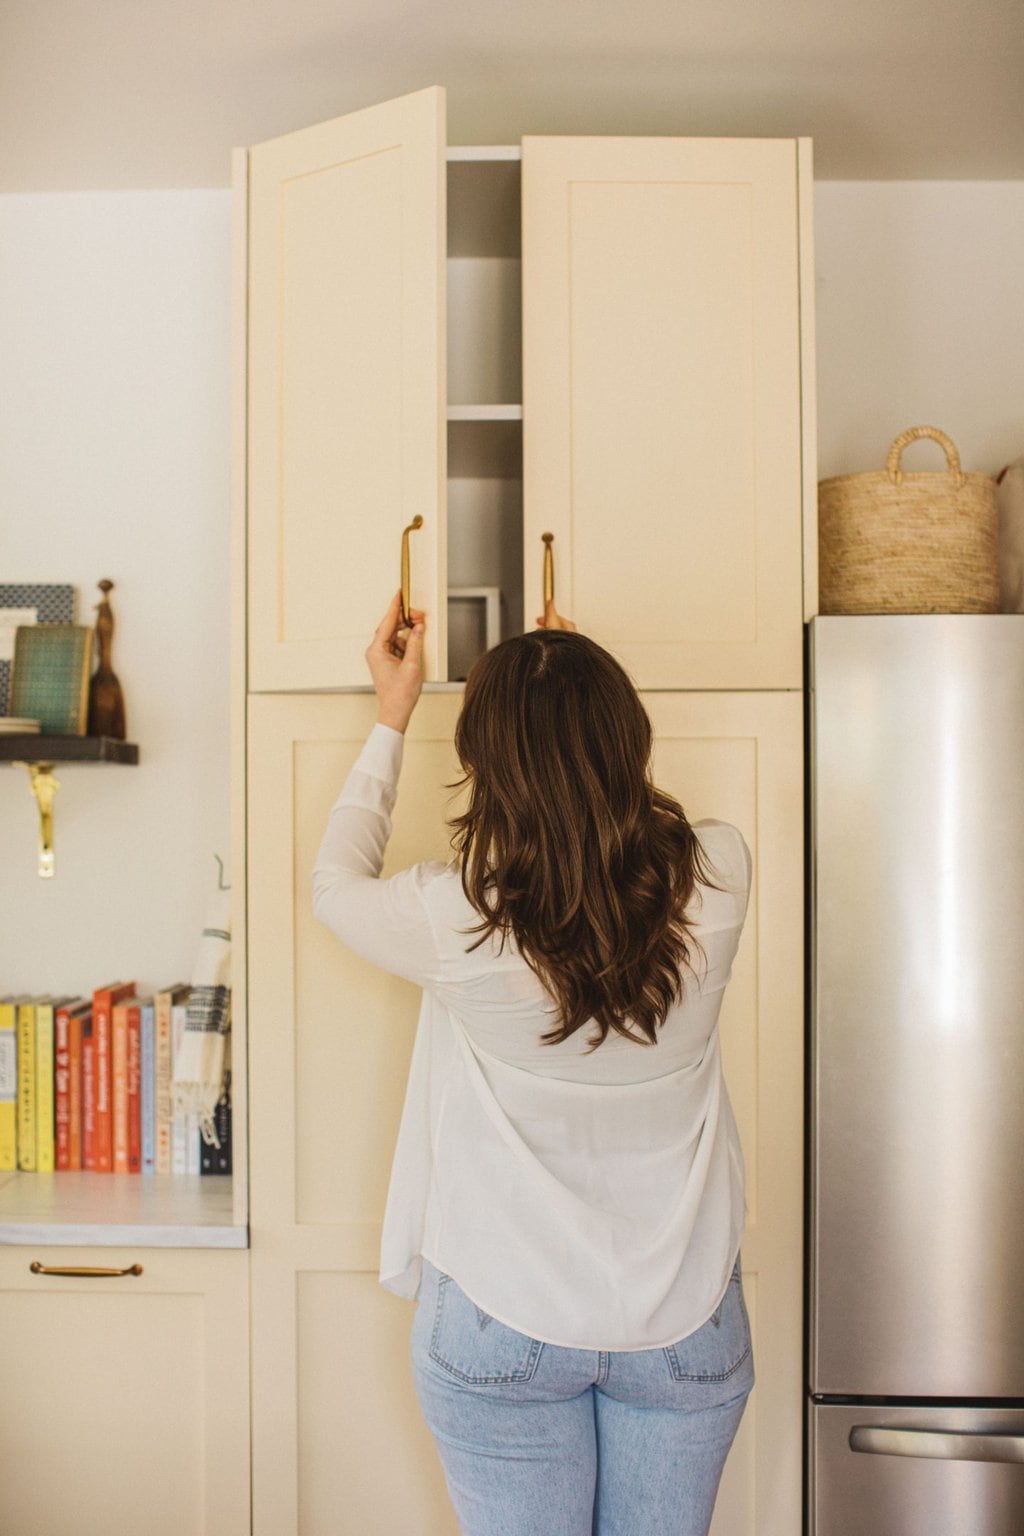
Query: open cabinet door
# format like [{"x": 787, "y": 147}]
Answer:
[{"x": 346, "y": 388}]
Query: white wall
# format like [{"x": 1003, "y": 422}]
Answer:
[
  {"x": 114, "y": 378},
  {"x": 114, "y": 427},
  {"x": 920, "y": 309}
]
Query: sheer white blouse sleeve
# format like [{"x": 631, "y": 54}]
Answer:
[{"x": 385, "y": 921}]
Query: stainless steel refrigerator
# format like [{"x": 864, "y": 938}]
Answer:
[{"x": 916, "y": 1349}]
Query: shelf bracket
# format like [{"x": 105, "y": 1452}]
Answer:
[{"x": 44, "y": 786}]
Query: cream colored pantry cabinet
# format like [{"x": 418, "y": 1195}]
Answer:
[
  {"x": 125, "y": 1399},
  {"x": 338, "y": 1444},
  {"x": 603, "y": 339}
]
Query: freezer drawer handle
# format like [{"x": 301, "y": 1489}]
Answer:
[{"x": 939, "y": 1444}]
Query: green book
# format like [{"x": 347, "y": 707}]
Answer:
[{"x": 50, "y": 676}]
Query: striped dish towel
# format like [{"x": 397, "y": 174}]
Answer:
[{"x": 200, "y": 1062}]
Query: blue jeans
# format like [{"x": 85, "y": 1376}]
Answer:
[{"x": 538, "y": 1440}]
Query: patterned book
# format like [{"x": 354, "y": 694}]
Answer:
[
  {"x": 50, "y": 676},
  {"x": 28, "y": 603}
]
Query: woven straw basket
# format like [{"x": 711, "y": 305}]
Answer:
[{"x": 890, "y": 542}]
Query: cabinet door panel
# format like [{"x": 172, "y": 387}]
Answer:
[
  {"x": 126, "y": 1401},
  {"x": 355, "y": 1399},
  {"x": 662, "y": 402},
  {"x": 346, "y": 367},
  {"x": 738, "y": 757},
  {"x": 336, "y": 1430}
]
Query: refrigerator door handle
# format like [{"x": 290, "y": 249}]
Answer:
[{"x": 938, "y": 1444}]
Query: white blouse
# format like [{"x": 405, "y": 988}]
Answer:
[{"x": 588, "y": 1200}]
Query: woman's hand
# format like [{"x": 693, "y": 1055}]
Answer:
[
  {"x": 552, "y": 619},
  {"x": 395, "y": 659}
]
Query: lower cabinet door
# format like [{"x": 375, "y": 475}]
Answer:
[
  {"x": 124, "y": 1404},
  {"x": 739, "y": 757},
  {"x": 338, "y": 1443}
]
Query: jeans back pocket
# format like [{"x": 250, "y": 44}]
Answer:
[
  {"x": 717, "y": 1349},
  {"x": 473, "y": 1346}
]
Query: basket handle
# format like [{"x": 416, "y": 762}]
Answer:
[{"x": 892, "y": 463}]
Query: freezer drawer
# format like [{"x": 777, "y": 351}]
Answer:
[{"x": 910, "y": 1474}]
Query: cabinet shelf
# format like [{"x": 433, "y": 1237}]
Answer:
[
  {"x": 485, "y": 413},
  {"x": 117, "y": 1210}
]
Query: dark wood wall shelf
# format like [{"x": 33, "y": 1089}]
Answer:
[{"x": 67, "y": 749}]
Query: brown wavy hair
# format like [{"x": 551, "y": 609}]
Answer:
[{"x": 567, "y": 845}]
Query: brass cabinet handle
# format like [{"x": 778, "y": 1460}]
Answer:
[
  {"x": 549, "y": 568},
  {"x": 85, "y": 1272},
  {"x": 417, "y": 522}
]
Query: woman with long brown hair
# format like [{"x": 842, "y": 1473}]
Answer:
[{"x": 566, "y": 1199}]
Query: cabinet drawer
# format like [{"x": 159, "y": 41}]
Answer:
[{"x": 127, "y": 1396}]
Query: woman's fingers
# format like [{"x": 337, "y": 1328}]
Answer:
[
  {"x": 389, "y": 623},
  {"x": 412, "y": 648},
  {"x": 400, "y": 639},
  {"x": 552, "y": 619},
  {"x": 390, "y": 635},
  {"x": 395, "y": 659},
  {"x": 384, "y": 634}
]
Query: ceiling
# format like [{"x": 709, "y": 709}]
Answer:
[{"x": 154, "y": 93}]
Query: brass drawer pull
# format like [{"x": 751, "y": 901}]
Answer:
[{"x": 86, "y": 1272}]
